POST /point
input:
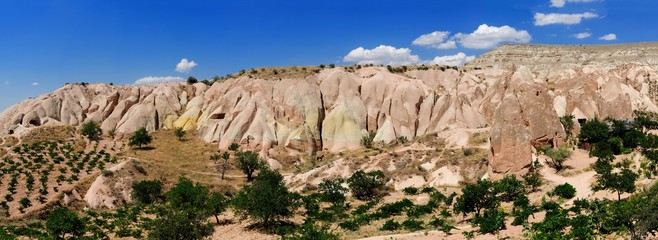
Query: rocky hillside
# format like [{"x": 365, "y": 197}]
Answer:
[
  {"x": 332, "y": 109},
  {"x": 547, "y": 57}
]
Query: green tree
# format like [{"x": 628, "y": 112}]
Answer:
[
  {"x": 248, "y": 162},
  {"x": 188, "y": 195},
  {"x": 509, "y": 188},
  {"x": 477, "y": 196},
  {"x": 91, "y": 130},
  {"x": 146, "y": 192},
  {"x": 180, "y": 133},
  {"x": 557, "y": 156},
  {"x": 61, "y": 222},
  {"x": 266, "y": 200},
  {"x": 179, "y": 224},
  {"x": 332, "y": 191},
  {"x": 567, "y": 123},
  {"x": 139, "y": 138},
  {"x": 492, "y": 221},
  {"x": 217, "y": 204},
  {"x": 310, "y": 231},
  {"x": 192, "y": 80},
  {"x": 365, "y": 186},
  {"x": 533, "y": 177},
  {"x": 594, "y": 131},
  {"x": 620, "y": 182}
]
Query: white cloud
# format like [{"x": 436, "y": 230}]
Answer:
[
  {"x": 561, "y": 3},
  {"x": 490, "y": 36},
  {"x": 458, "y": 59},
  {"x": 582, "y": 35},
  {"x": 386, "y": 55},
  {"x": 436, "y": 40},
  {"x": 542, "y": 19},
  {"x": 155, "y": 80},
  {"x": 35, "y": 84},
  {"x": 185, "y": 66},
  {"x": 609, "y": 37}
]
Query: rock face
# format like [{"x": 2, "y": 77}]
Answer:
[{"x": 332, "y": 109}]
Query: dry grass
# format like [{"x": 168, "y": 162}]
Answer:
[
  {"x": 10, "y": 141},
  {"x": 478, "y": 138},
  {"x": 167, "y": 159},
  {"x": 49, "y": 133}
]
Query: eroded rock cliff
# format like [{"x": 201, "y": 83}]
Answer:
[{"x": 332, "y": 109}]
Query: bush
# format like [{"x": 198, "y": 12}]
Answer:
[
  {"x": 565, "y": 191},
  {"x": 410, "y": 190},
  {"x": 146, "y": 192},
  {"x": 390, "y": 225},
  {"x": 309, "y": 231},
  {"x": 367, "y": 140},
  {"x": 557, "y": 157},
  {"x": 192, "y": 80},
  {"x": 91, "y": 130},
  {"x": 403, "y": 139},
  {"x": 413, "y": 225},
  {"x": 492, "y": 221},
  {"x": 332, "y": 191},
  {"x": 365, "y": 186},
  {"x": 180, "y": 133}
]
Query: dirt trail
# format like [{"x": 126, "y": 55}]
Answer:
[{"x": 582, "y": 182}]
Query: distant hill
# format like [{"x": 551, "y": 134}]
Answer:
[{"x": 545, "y": 57}]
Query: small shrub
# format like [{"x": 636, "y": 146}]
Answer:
[
  {"x": 410, "y": 190},
  {"x": 413, "y": 225},
  {"x": 390, "y": 225},
  {"x": 565, "y": 191},
  {"x": 368, "y": 139}
]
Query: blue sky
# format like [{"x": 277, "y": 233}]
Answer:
[{"x": 44, "y": 44}]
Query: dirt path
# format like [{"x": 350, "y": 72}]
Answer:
[{"x": 582, "y": 182}]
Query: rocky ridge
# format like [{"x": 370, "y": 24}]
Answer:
[{"x": 333, "y": 109}]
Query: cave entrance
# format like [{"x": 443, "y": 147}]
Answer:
[
  {"x": 582, "y": 121},
  {"x": 218, "y": 116},
  {"x": 35, "y": 122}
]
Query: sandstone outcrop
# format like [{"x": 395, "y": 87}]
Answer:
[{"x": 332, "y": 109}]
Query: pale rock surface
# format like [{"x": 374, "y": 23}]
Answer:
[{"x": 333, "y": 109}]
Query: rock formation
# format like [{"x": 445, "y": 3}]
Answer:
[{"x": 332, "y": 109}]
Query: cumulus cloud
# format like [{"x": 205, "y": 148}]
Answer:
[
  {"x": 609, "y": 37},
  {"x": 35, "y": 84},
  {"x": 386, "y": 55},
  {"x": 185, "y": 66},
  {"x": 155, "y": 80},
  {"x": 582, "y": 35},
  {"x": 561, "y": 3},
  {"x": 436, "y": 40},
  {"x": 542, "y": 19},
  {"x": 458, "y": 59},
  {"x": 486, "y": 36}
]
